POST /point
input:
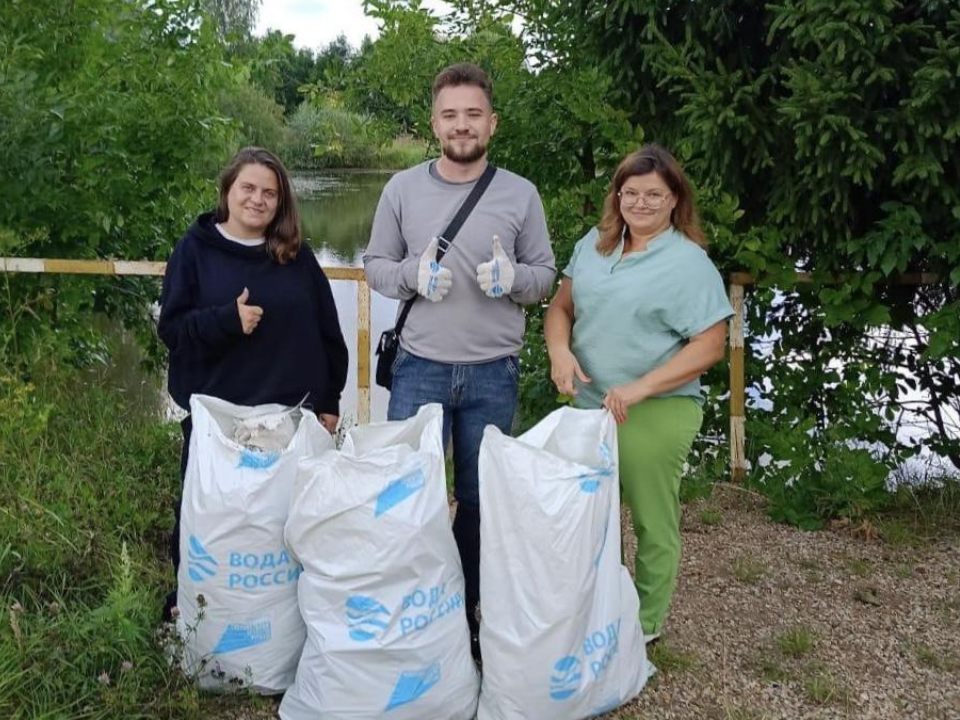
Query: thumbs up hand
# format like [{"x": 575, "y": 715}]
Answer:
[
  {"x": 433, "y": 280},
  {"x": 495, "y": 277},
  {"x": 249, "y": 314}
]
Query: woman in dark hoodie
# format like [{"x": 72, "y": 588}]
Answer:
[{"x": 246, "y": 312}]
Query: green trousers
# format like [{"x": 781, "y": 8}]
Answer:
[{"x": 654, "y": 443}]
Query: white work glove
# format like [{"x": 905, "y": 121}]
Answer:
[
  {"x": 496, "y": 276},
  {"x": 433, "y": 281}
]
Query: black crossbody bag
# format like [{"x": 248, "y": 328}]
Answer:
[{"x": 390, "y": 339}]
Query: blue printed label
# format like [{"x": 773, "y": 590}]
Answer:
[
  {"x": 256, "y": 460},
  {"x": 399, "y": 490},
  {"x": 200, "y": 563},
  {"x": 366, "y": 618},
  {"x": 242, "y": 636},
  {"x": 255, "y": 571},
  {"x": 425, "y": 606},
  {"x": 565, "y": 680},
  {"x": 599, "y": 648},
  {"x": 590, "y": 482},
  {"x": 413, "y": 685}
]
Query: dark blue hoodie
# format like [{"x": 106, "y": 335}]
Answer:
[{"x": 297, "y": 349}]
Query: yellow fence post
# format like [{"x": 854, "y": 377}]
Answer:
[
  {"x": 738, "y": 465},
  {"x": 363, "y": 352}
]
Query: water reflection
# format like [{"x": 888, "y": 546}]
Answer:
[{"x": 337, "y": 210}]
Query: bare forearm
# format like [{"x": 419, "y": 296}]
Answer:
[
  {"x": 691, "y": 362},
  {"x": 557, "y": 326}
]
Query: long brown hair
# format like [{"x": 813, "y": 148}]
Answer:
[
  {"x": 648, "y": 159},
  {"x": 283, "y": 232}
]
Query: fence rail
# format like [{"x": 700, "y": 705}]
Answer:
[
  {"x": 739, "y": 281},
  {"x": 147, "y": 268}
]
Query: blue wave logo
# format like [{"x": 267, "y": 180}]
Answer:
[
  {"x": 200, "y": 563},
  {"x": 240, "y": 637},
  {"x": 565, "y": 680},
  {"x": 257, "y": 460},
  {"x": 398, "y": 491},
  {"x": 366, "y": 618},
  {"x": 606, "y": 458},
  {"x": 413, "y": 685},
  {"x": 590, "y": 482}
]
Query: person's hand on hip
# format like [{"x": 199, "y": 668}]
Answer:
[
  {"x": 495, "y": 277},
  {"x": 433, "y": 280}
]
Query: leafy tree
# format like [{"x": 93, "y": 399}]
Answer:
[
  {"x": 259, "y": 120},
  {"x": 235, "y": 19},
  {"x": 837, "y": 126},
  {"x": 822, "y": 138},
  {"x": 111, "y": 131}
]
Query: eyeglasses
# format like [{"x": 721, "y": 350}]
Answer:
[{"x": 653, "y": 199}]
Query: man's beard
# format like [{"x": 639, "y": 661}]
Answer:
[{"x": 464, "y": 157}]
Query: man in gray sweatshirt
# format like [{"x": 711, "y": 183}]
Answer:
[{"x": 461, "y": 342}]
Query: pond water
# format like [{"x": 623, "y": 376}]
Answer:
[{"x": 336, "y": 208}]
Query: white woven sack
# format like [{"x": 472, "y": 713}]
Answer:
[
  {"x": 560, "y": 629},
  {"x": 246, "y": 631},
  {"x": 382, "y": 588}
]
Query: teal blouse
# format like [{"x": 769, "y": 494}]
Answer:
[{"x": 633, "y": 313}]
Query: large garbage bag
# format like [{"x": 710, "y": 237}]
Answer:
[
  {"x": 238, "y": 621},
  {"x": 382, "y": 588},
  {"x": 560, "y": 629}
]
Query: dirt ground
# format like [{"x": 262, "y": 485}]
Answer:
[{"x": 774, "y": 622}]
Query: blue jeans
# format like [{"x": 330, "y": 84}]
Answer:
[{"x": 472, "y": 396}]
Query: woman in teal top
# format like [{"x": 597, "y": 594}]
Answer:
[{"x": 639, "y": 316}]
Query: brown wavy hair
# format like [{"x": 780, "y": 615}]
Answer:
[
  {"x": 283, "y": 232},
  {"x": 648, "y": 159}
]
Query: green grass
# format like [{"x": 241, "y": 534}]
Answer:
[
  {"x": 823, "y": 688},
  {"x": 812, "y": 569},
  {"x": 796, "y": 641},
  {"x": 88, "y": 477},
  {"x": 700, "y": 477},
  {"x": 941, "y": 661},
  {"x": 711, "y": 516},
  {"x": 402, "y": 153},
  {"x": 921, "y": 515},
  {"x": 858, "y": 566},
  {"x": 948, "y": 610},
  {"x": 669, "y": 659},
  {"x": 770, "y": 667},
  {"x": 748, "y": 570},
  {"x": 902, "y": 571}
]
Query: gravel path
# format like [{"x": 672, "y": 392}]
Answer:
[{"x": 773, "y": 622}]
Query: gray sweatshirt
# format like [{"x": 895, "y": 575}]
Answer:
[{"x": 466, "y": 326}]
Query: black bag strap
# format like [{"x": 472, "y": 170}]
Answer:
[{"x": 447, "y": 236}]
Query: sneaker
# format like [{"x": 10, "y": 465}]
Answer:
[{"x": 651, "y": 639}]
